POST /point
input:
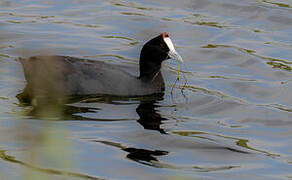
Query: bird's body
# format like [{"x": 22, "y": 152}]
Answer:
[
  {"x": 59, "y": 76},
  {"x": 74, "y": 76}
]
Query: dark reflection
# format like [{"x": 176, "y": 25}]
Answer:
[
  {"x": 143, "y": 156},
  {"x": 149, "y": 117},
  {"x": 68, "y": 112},
  {"x": 53, "y": 108},
  {"x": 61, "y": 108}
]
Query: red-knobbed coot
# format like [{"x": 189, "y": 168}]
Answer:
[{"x": 49, "y": 75}]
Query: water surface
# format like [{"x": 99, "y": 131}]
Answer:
[{"x": 232, "y": 120}]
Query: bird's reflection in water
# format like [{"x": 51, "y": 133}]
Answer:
[
  {"x": 53, "y": 108},
  {"x": 152, "y": 120},
  {"x": 143, "y": 156},
  {"x": 149, "y": 117}
]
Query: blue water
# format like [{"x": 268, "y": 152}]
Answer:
[{"x": 232, "y": 120}]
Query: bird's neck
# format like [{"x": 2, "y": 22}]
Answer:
[
  {"x": 149, "y": 71},
  {"x": 150, "y": 75}
]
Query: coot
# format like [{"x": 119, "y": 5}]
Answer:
[{"x": 63, "y": 75}]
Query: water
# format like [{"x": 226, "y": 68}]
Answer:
[{"x": 232, "y": 120}]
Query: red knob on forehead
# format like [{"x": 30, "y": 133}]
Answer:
[{"x": 165, "y": 35}]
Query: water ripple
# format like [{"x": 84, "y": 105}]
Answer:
[
  {"x": 12, "y": 159},
  {"x": 283, "y": 5},
  {"x": 149, "y": 158},
  {"x": 239, "y": 141},
  {"x": 274, "y": 62}
]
